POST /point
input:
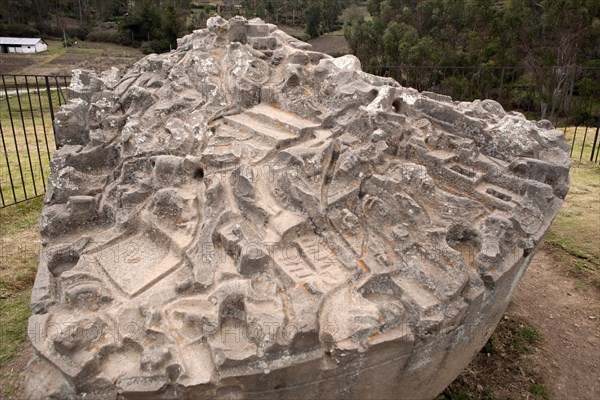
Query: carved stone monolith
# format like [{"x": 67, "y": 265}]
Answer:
[{"x": 244, "y": 218}]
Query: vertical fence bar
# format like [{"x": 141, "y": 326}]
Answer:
[
  {"x": 595, "y": 141},
  {"x": 12, "y": 125},
  {"x": 57, "y": 92},
  {"x": 37, "y": 143},
  {"x": 51, "y": 108},
  {"x": 583, "y": 144},
  {"x": 18, "y": 98},
  {"x": 60, "y": 92},
  {"x": 37, "y": 88},
  {"x": 10, "y": 178},
  {"x": 25, "y": 137}
]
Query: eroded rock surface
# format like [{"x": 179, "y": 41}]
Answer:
[{"x": 246, "y": 218}]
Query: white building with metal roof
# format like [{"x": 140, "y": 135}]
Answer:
[{"x": 22, "y": 45}]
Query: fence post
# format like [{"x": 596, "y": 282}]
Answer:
[
  {"x": 595, "y": 140},
  {"x": 37, "y": 142},
  {"x": 14, "y": 132},
  {"x": 573, "y": 143},
  {"x": 51, "y": 108},
  {"x": 583, "y": 144},
  {"x": 25, "y": 135}
]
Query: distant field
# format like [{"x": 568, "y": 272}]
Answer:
[
  {"x": 59, "y": 60},
  {"x": 332, "y": 43}
]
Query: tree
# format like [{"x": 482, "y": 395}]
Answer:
[
  {"x": 330, "y": 11},
  {"x": 398, "y": 41},
  {"x": 364, "y": 38},
  {"x": 143, "y": 22},
  {"x": 313, "y": 19},
  {"x": 172, "y": 23}
]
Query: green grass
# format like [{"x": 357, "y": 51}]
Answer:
[
  {"x": 454, "y": 395},
  {"x": 491, "y": 346},
  {"x": 18, "y": 265},
  {"x": 14, "y": 313},
  {"x": 540, "y": 391},
  {"x": 523, "y": 337},
  {"x": 9, "y": 390},
  {"x": 575, "y": 233},
  {"x": 35, "y": 102},
  {"x": 20, "y": 217}
]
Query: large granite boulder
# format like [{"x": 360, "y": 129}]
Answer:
[{"x": 245, "y": 218}]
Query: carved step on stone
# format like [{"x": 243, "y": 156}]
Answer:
[{"x": 279, "y": 225}]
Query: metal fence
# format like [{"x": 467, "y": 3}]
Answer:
[
  {"x": 570, "y": 98},
  {"x": 580, "y": 144},
  {"x": 27, "y": 107}
]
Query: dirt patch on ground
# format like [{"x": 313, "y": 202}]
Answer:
[
  {"x": 567, "y": 312},
  {"x": 547, "y": 345},
  {"x": 332, "y": 43},
  {"x": 13, "y": 64}
]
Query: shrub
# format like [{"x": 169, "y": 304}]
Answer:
[
  {"x": 155, "y": 46},
  {"x": 107, "y": 36}
]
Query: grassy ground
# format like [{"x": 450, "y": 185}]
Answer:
[
  {"x": 575, "y": 233},
  {"x": 19, "y": 249}
]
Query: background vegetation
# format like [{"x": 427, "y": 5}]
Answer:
[
  {"x": 155, "y": 24},
  {"x": 540, "y": 57}
]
